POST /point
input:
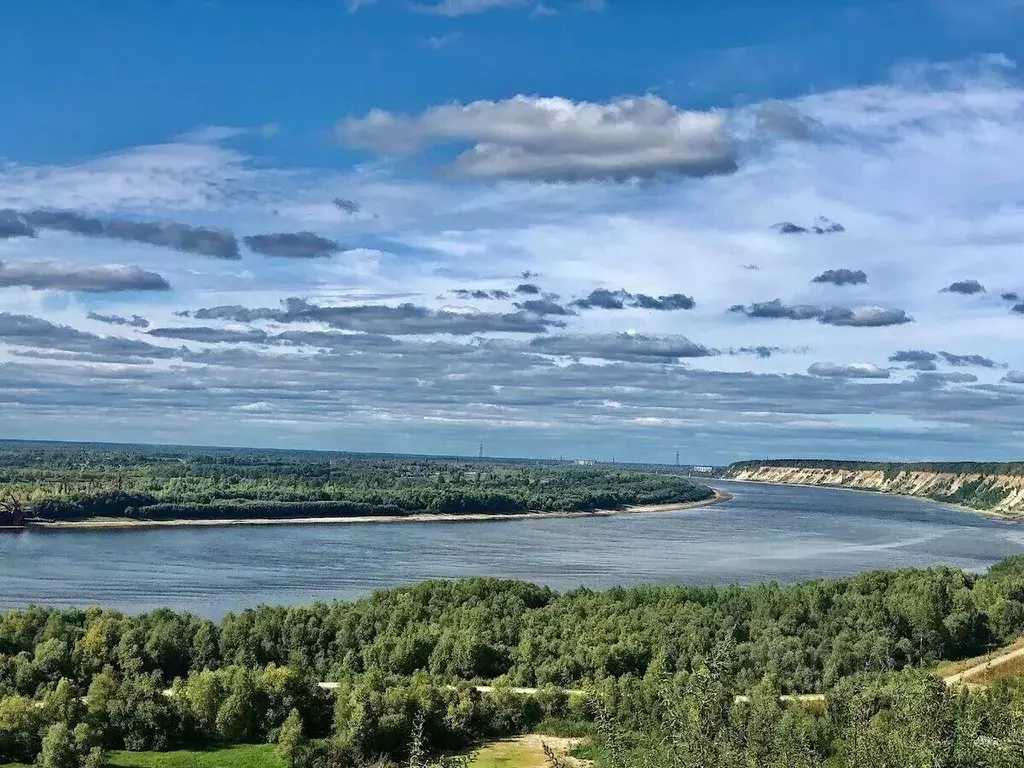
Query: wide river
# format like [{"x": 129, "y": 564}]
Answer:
[{"x": 766, "y": 533}]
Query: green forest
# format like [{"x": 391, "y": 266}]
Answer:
[
  {"x": 650, "y": 674},
  {"x": 60, "y": 482}
]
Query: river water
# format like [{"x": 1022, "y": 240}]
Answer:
[{"x": 766, "y": 533}]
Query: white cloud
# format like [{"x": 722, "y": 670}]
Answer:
[
  {"x": 453, "y": 8},
  {"x": 438, "y": 42},
  {"x": 556, "y": 139}
]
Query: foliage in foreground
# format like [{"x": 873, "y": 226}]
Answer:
[{"x": 661, "y": 666}]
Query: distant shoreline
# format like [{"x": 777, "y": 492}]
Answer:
[
  {"x": 127, "y": 524},
  {"x": 1004, "y": 517}
]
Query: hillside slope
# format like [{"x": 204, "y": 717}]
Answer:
[{"x": 997, "y": 488}]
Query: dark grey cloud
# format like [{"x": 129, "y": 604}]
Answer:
[
  {"x": 946, "y": 377},
  {"x": 863, "y": 317},
  {"x": 962, "y": 361},
  {"x": 13, "y": 224},
  {"x": 557, "y": 140},
  {"x": 789, "y": 228},
  {"x": 1018, "y": 308},
  {"x": 211, "y": 335},
  {"x": 1010, "y": 296},
  {"x": 1013, "y": 377},
  {"x": 405, "y": 319},
  {"x": 842, "y": 277},
  {"x": 821, "y": 226},
  {"x": 135, "y": 321},
  {"x": 670, "y": 302},
  {"x": 776, "y": 310},
  {"x": 965, "y": 287},
  {"x": 544, "y": 307},
  {"x": 530, "y": 289},
  {"x": 294, "y": 245},
  {"x": 602, "y": 298},
  {"x": 850, "y": 371},
  {"x": 466, "y": 293},
  {"x": 915, "y": 359},
  {"x": 622, "y": 346},
  {"x": 29, "y": 331},
  {"x": 234, "y": 312},
  {"x": 335, "y": 340},
  {"x": 66, "y": 221},
  {"x": 763, "y": 352},
  {"x": 348, "y": 206},
  {"x": 204, "y": 241},
  {"x": 56, "y": 275},
  {"x": 826, "y": 227}
]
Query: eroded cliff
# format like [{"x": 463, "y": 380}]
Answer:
[{"x": 1001, "y": 493}]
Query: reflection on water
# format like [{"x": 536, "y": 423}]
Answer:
[{"x": 765, "y": 533}]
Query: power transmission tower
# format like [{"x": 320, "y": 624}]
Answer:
[
  {"x": 481, "y": 450},
  {"x": 677, "y": 458}
]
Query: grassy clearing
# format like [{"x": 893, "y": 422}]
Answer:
[
  {"x": 245, "y": 756},
  {"x": 524, "y": 752},
  {"x": 520, "y": 752}
]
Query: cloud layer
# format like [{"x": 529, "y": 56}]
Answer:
[{"x": 542, "y": 318}]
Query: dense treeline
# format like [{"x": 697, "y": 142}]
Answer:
[
  {"x": 891, "y": 468},
  {"x": 58, "y": 482},
  {"x": 900, "y": 720},
  {"x": 659, "y": 666}
]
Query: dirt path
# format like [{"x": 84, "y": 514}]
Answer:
[{"x": 978, "y": 669}]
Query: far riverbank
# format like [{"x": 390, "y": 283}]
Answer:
[
  {"x": 121, "y": 524},
  {"x": 1005, "y": 517}
]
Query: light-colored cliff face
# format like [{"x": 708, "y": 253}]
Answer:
[{"x": 1003, "y": 494}]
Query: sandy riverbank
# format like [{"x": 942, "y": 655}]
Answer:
[{"x": 118, "y": 524}]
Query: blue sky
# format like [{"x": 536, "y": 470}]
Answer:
[{"x": 551, "y": 227}]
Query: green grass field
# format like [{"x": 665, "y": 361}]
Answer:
[
  {"x": 521, "y": 752},
  {"x": 245, "y": 756}
]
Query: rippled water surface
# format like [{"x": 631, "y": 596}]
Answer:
[{"x": 766, "y": 533}]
